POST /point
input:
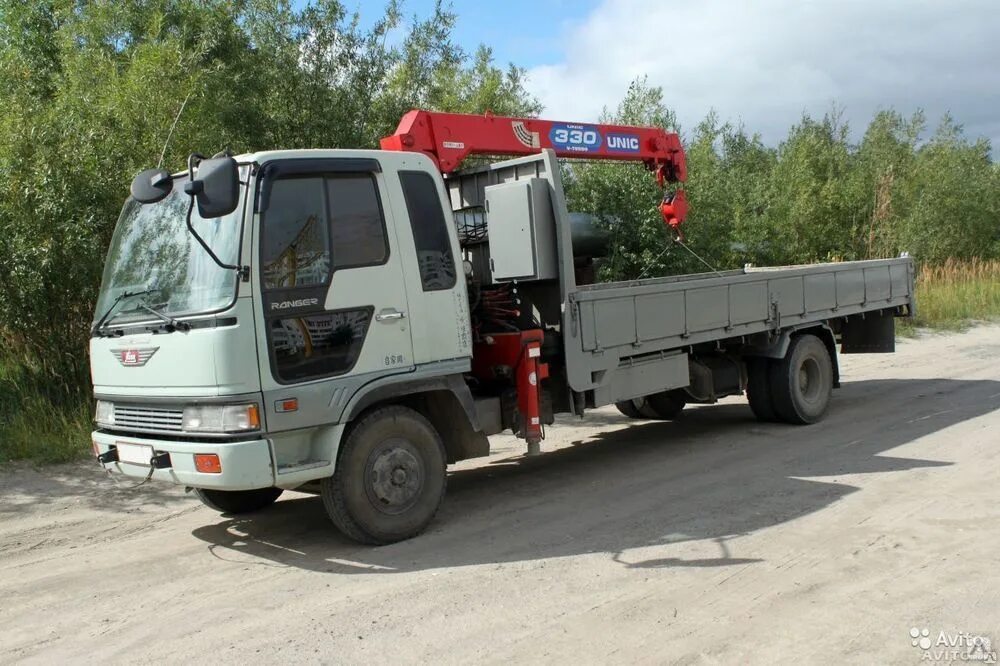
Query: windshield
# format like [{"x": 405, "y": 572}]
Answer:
[{"x": 153, "y": 250}]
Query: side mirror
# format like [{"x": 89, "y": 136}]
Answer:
[
  {"x": 216, "y": 187},
  {"x": 152, "y": 185}
]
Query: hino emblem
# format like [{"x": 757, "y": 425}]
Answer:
[
  {"x": 298, "y": 303},
  {"x": 134, "y": 357}
]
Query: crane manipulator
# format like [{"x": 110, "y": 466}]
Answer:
[
  {"x": 449, "y": 138},
  {"x": 506, "y": 340}
]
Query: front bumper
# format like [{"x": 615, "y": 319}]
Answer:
[{"x": 246, "y": 464}]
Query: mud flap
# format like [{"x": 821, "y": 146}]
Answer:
[{"x": 871, "y": 333}]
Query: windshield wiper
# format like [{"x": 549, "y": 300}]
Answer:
[
  {"x": 114, "y": 304},
  {"x": 171, "y": 322}
]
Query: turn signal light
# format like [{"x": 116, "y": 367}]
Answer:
[
  {"x": 207, "y": 463},
  {"x": 286, "y": 405},
  {"x": 253, "y": 417}
]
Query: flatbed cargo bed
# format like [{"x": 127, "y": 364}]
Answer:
[
  {"x": 664, "y": 313},
  {"x": 610, "y": 323}
]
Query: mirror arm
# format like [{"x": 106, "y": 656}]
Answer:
[
  {"x": 192, "y": 158},
  {"x": 189, "y": 188},
  {"x": 244, "y": 271}
]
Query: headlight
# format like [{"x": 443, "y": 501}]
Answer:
[
  {"x": 221, "y": 418},
  {"x": 105, "y": 415}
]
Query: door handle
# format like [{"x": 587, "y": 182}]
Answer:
[{"x": 389, "y": 315}]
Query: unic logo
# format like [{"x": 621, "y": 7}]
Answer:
[{"x": 623, "y": 143}]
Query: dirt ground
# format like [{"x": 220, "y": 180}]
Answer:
[{"x": 713, "y": 539}]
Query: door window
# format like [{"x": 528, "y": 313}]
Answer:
[
  {"x": 295, "y": 244},
  {"x": 313, "y": 226},
  {"x": 318, "y": 345}
]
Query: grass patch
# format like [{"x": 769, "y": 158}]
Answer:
[
  {"x": 954, "y": 295},
  {"x": 38, "y": 423}
]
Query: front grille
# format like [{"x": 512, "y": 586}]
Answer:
[{"x": 156, "y": 419}]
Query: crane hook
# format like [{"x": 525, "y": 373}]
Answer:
[{"x": 673, "y": 208}]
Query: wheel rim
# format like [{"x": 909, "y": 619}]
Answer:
[
  {"x": 395, "y": 476},
  {"x": 810, "y": 380}
]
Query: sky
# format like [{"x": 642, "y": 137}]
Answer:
[{"x": 762, "y": 63}]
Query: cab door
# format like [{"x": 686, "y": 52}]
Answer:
[{"x": 335, "y": 312}]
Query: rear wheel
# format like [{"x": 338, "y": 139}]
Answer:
[
  {"x": 759, "y": 389},
  {"x": 628, "y": 408},
  {"x": 801, "y": 383},
  {"x": 238, "y": 501},
  {"x": 390, "y": 477},
  {"x": 666, "y": 405},
  {"x": 646, "y": 410}
]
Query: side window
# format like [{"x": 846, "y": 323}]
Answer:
[
  {"x": 356, "y": 223},
  {"x": 295, "y": 241},
  {"x": 318, "y": 345},
  {"x": 430, "y": 230}
]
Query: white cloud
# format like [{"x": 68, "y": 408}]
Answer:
[{"x": 767, "y": 61}]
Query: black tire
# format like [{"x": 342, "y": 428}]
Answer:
[
  {"x": 645, "y": 410},
  {"x": 238, "y": 501},
  {"x": 628, "y": 408},
  {"x": 759, "y": 389},
  {"x": 666, "y": 405},
  {"x": 390, "y": 477},
  {"x": 801, "y": 383}
]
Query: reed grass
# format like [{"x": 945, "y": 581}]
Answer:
[
  {"x": 955, "y": 295},
  {"x": 41, "y": 420}
]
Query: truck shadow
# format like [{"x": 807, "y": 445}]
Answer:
[{"x": 713, "y": 475}]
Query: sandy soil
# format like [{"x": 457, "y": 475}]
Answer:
[{"x": 713, "y": 539}]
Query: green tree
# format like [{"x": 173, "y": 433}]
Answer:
[
  {"x": 808, "y": 211},
  {"x": 954, "y": 209},
  {"x": 877, "y": 183},
  {"x": 92, "y": 92}
]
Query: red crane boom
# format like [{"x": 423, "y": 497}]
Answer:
[{"x": 448, "y": 138}]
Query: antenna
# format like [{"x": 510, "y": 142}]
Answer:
[{"x": 171, "y": 132}]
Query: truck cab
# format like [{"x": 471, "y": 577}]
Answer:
[{"x": 239, "y": 381}]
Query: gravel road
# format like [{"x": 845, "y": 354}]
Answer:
[{"x": 713, "y": 539}]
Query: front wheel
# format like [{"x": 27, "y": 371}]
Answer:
[
  {"x": 390, "y": 477},
  {"x": 238, "y": 501}
]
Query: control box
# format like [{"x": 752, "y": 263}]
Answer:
[{"x": 521, "y": 230}]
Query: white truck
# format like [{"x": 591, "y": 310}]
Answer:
[{"x": 348, "y": 322}]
